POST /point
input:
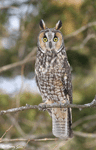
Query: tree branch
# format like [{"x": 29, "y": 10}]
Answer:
[
  {"x": 84, "y": 42},
  {"x": 25, "y": 140},
  {"x": 44, "y": 106},
  {"x": 90, "y": 117},
  {"x": 80, "y": 29},
  {"x": 85, "y": 135},
  {"x": 76, "y": 133},
  {"x": 30, "y": 57}
]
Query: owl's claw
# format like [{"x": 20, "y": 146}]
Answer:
[
  {"x": 42, "y": 106},
  {"x": 65, "y": 103}
]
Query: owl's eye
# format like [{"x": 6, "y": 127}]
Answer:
[
  {"x": 55, "y": 39},
  {"x": 45, "y": 39}
]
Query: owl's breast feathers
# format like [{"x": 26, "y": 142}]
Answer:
[{"x": 53, "y": 77}]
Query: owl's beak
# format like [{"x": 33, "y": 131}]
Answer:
[{"x": 50, "y": 45}]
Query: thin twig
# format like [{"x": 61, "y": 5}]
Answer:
[
  {"x": 6, "y": 132},
  {"x": 84, "y": 42},
  {"x": 76, "y": 133},
  {"x": 26, "y": 140},
  {"x": 89, "y": 36},
  {"x": 16, "y": 125},
  {"x": 26, "y": 144},
  {"x": 55, "y": 147},
  {"x": 44, "y": 106}
]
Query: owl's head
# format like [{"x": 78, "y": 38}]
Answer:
[{"x": 50, "y": 39}]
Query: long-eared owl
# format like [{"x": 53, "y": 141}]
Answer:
[{"x": 53, "y": 77}]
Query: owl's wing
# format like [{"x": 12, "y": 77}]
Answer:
[
  {"x": 67, "y": 85},
  {"x": 67, "y": 82},
  {"x": 49, "y": 110},
  {"x": 62, "y": 117},
  {"x": 36, "y": 78}
]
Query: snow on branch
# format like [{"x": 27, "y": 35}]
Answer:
[{"x": 45, "y": 106}]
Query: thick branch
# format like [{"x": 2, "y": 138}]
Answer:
[{"x": 44, "y": 106}]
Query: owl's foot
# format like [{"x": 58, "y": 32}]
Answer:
[
  {"x": 42, "y": 106},
  {"x": 65, "y": 103}
]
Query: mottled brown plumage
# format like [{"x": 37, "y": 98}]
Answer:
[{"x": 53, "y": 77}]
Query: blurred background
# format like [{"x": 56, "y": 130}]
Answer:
[{"x": 19, "y": 28}]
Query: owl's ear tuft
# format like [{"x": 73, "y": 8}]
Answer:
[
  {"x": 58, "y": 25},
  {"x": 42, "y": 24}
]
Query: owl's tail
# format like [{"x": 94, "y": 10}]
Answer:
[{"x": 61, "y": 122}]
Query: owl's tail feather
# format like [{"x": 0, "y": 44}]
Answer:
[{"x": 61, "y": 123}]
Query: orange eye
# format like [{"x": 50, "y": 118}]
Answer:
[
  {"x": 55, "y": 39},
  {"x": 45, "y": 40}
]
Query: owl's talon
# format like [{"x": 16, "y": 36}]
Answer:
[
  {"x": 42, "y": 106},
  {"x": 66, "y": 103}
]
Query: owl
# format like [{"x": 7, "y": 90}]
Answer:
[{"x": 53, "y": 77}]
